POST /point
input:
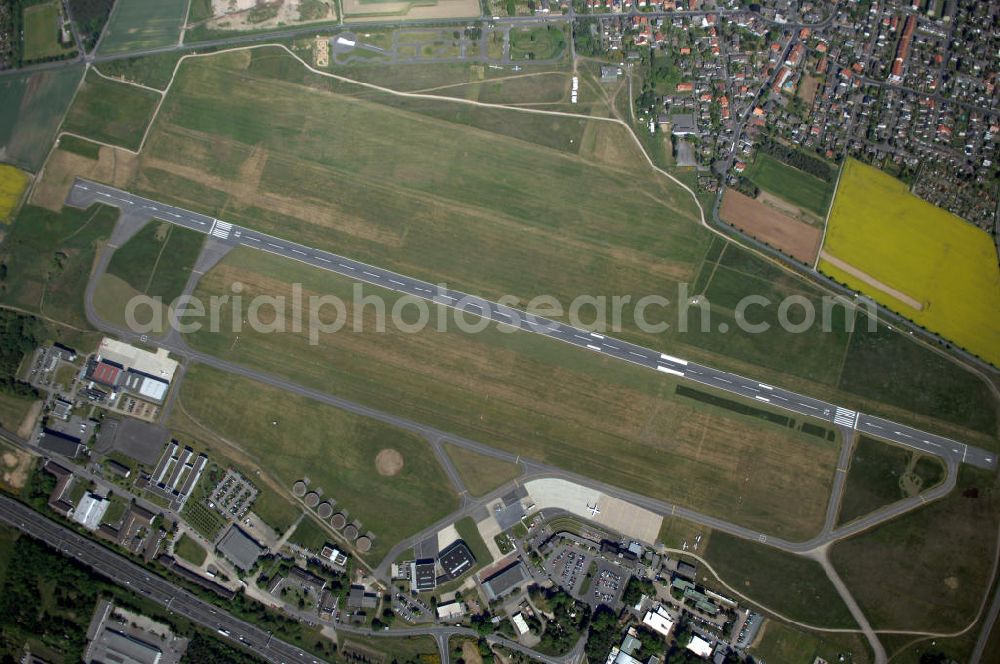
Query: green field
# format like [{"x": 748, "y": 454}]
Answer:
[
  {"x": 48, "y": 258},
  {"x": 188, "y": 549},
  {"x": 34, "y": 105},
  {"x": 881, "y": 474},
  {"x": 111, "y": 112},
  {"x": 153, "y": 71},
  {"x": 540, "y": 398},
  {"x": 928, "y": 569},
  {"x": 309, "y": 535},
  {"x": 275, "y": 510},
  {"x": 80, "y": 146},
  {"x": 138, "y": 24},
  {"x": 480, "y": 473},
  {"x": 291, "y": 437},
  {"x": 797, "y": 187},
  {"x": 542, "y": 43},
  {"x": 883, "y": 366},
  {"x": 42, "y": 32},
  {"x": 794, "y": 586},
  {"x": 158, "y": 259},
  {"x": 13, "y": 410},
  {"x": 203, "y": 519},
  {"x": 470, "y": 535},
  {"x": 784, "y": 643}
]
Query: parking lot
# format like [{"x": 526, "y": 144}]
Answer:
[
  {"x": 568, "y": 567},
  {"x": 608, "y": 583}
]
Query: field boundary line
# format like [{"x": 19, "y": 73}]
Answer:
[
  {"x": 97, "y": 71},
  {"x": 829, "y": 213}
]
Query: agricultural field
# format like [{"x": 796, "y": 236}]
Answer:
[
  {"x": 928, "y": 569},
  {"x": 537, "y": 397},
  {"x": 794, "y": 586},
  {"x": 153, "y": 71},
  {"x": 13, "y": 182},
  {"x": 480, "y": 473},
  {"x": 541, "y": 43},
  {"x": 791, "y": 236},
  {"x": 915, "y": 259},
  {"x": 360, "y": 10},
  {"x": 797, "y": 187},
  {"x": 137, "y": 24},
  {"x": 48, "y": 257},
  {"x": 34, "y": 105},
  {"x": 291, "y": 437},
  {"x": 881, "y": 474},
  {"x": 42, "y": 32},
  {"x": 111, "y": 112}
]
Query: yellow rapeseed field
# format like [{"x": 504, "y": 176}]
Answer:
[
  {"x": 12, "y": 184},
  {"x": 920, "y": 261}
]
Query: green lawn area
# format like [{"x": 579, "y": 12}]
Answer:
[
  {"x": 541, "y": 43},
  {"x": 33, "y": 108},
  {"x": 797, "y": 187},
  {"x": 138, "y": 24},
  {"x": 13, "y": 410},
  {"x": 881, "y": 474},
  {"x": 111, "y": 112},
  {"x": 49, "y": 256},
  {"x": 470, "y": 535},
  {"x": 540, "y": 398},
  {"x": 153, "y": 71},
  {"x": 784, "y": 643},
  {"x": 275, "y": 510},
  {"x": 480, "y": 473},
  {"x": 116, "y": 509},
  {"x": 158, "y": 259},
  {"x": 928, "y": 569},
  {"x": 42, "y": 32},
  {"x": 309, "y": 535},
  {"x": 794, "y": 586},
  {"x": 335, "y": 449},
  {"x": 188, "y": 549}
]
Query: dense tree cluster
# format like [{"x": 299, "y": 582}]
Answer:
[
  {"x": 799, "y": 159},
  {"x": 19, "y": 335},
  {"x": 90, "y": 17}
]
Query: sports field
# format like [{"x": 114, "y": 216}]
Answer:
[
  {"x": 946, "y": 268},
  {"x": 13, "y": 182},
  {"x": 41, "y": 32},
  {"x": 137, "y": 24},
  {"x": 111, "y": 112},
  {"x": 797, "y": 187},
  {"x": 290, "y": 437},
  {"x": 540, "y": 398},
  {"x": 34, "y": 105}
]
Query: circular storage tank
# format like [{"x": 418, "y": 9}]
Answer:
[
  {"x": 351, "y": 533},
  {"x": 299, "y": 488},
  {"x": 338, "y": 521},
  {"x": 312, "y": 499},
  {"x": 324, "y": 510},
  {"x": 364, "y": 544}
]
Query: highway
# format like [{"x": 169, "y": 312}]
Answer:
[
  {"x": 85, "y": 192},
  {"x": 142, "y": 582}
]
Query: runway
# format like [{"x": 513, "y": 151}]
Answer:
[{"x": 84, "y": 193}]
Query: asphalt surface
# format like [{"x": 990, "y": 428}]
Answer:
[
  {"x": 84, "y": 193},
  {"x": 142, "y": 582}
]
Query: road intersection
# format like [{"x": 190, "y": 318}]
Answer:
[{"x": 85, "y": 193}]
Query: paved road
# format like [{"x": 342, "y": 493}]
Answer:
[
  {"x": 85, "y": 193},
  {"x": 124, "y": 572}
]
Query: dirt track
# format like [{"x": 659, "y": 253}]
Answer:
[{"x": 872, "y": 281}]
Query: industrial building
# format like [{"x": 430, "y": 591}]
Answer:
[
  {"x": 505, "y": 580},
  {"x": 241, "y": 549},
  {"x": 456, "y": 560}
]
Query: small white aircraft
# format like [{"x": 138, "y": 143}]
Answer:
[{"x": 593, "y": 509}]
